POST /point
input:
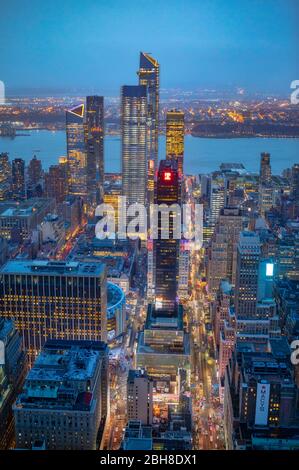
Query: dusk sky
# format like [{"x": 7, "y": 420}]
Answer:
[{"x": 200, "y": 44}]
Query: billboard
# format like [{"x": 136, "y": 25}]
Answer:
[{"x": 262, "y": 404}]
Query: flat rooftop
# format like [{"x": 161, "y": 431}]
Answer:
[{"x": 44, "y": 267}]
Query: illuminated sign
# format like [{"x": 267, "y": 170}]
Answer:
[
  {"x": 262, "y": 404},
  {"x": 167, "y": 175},
  {"x": 269, "y": 269}
]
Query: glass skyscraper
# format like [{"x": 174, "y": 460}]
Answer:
[
  {"x": 134, "y": 135},
  {"x": 149, "y": 70},
  {"x": 175, "y": 133},
  {"x": 76, "y": 151},
  {"x": 166, "y": 248},
  {"x": 94, "y": 140}
]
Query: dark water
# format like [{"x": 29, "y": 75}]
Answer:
[{"x": 201, "y": 155}]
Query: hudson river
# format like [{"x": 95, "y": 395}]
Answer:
[{"x": 202, "y": 155}]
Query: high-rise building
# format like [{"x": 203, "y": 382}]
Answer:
[
  {"x": 56, "y": 181},
  {"x": 94, "y": 141},
  {"x": 222, "y": 250},
  {"x": 65, "y": 398},
  {"x": 13, "y": 368},
  {"x": 140, "y": 397},
  {"x": 175, "y": 133},
  {"x": 248, "y": 258},
  {"x": 166, "y": 247},
  {"x": 265, "y": 169},
  {"x": 134, "y": 143},
  {"x": 5, "y": 176},
  {"x": 54, "y": 299},
  {"x": 76, "y": 151},
  {"x": 18, "y": 179},
  {"x": 149, "y": 76},
  {"x": 35, "y": 173}
]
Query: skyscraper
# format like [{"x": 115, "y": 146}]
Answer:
[
  {"x": 54, "y": 299},
  {"x": 175, "y": 133},
  {"x": 5, "y": 176},
  {"x": 134, "y": 142},
  {"x": 248, "y": 258},
  {"x": 94, "y": 141},
  {"x": 265, "y": 168},
  {"x": 35, "y": 173},
  {"x": 166, "y": 247},
  {"x": 18, "y": 179},
  {"x": 76, "y": 151},
  {"x": 148, "y": 73},
  {"x": 222, "y": 249}
]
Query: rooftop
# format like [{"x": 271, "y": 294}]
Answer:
[{"x": 46, "y": 267}]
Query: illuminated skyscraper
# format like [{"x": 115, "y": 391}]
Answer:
[
  {"x": 5, "y": 176},
  {"x": 248, "y": 258},
  {"x": 265, "y": 168},
  {"x": 148, "y": 73},
  {"x": 134, "y": 134},
  {"x": 18, "y": 179},
  {"x": 35, "y": 173},
  {"x": 54, "y": 299},
  {"x": 76, "y": 151},
  {"x": 175, "y": 132},
  {"x": 166, "y": 247},
  {"x": 94, "y": 140}
]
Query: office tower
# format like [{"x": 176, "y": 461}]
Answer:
[
  {"x": 76, "y": 151},
  {"x": 56, "y": 181},
  {"x": 175, "y": 133},
  {"x": 13, "y": 368},
  {"x": 34, "y": 173},
  {"x": 265, "y": 169},
  {"x": 140, "y": 397},
  {"x": 18, "y": 179},
  {"x": 217, "y": 198},
  {"x": 248, "y": 258},
  {"x": 149, "y": 76},
  {"x": 260, "y": 397},
  {"x": 134, "y": 142},
  {"x": 94, "y": 141},
  {"x": 166, "y": 246},
  {"x": 222, "y": 249},
  {"x": 5, "y": 176},
  {"x": 54, "y": 299},
  {"x": 65, "y": 397}
]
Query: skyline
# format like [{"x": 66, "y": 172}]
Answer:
[{"x": 217, "y": 45}]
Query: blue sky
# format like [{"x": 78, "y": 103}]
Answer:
[{"x": 199, "y": 43}]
